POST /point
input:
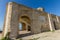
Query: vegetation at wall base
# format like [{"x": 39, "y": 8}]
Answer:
[{"x": 6, "y": 37}]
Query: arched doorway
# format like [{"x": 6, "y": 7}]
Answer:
[{"x": 24, "y": 25}]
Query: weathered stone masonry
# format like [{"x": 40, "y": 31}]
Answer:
[{"x": 39, "y": 20}]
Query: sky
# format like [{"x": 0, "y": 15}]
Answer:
[{"x": 50, "y": 6}]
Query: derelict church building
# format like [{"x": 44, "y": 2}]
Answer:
[{"x": 35, "y": 20}]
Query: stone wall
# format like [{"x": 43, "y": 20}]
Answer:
[{"x": 40, "y": 21}]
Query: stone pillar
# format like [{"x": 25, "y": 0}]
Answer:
[
  {"x": 26, "y": 27},
  {"x": 58, "y": 23},
  {"x": 14, "y": 23},
  {"x": 11, "y": 22},
  {"x": 57, "y": 19},
  {"x": 50, "y": 23},
  {"x": 7, "y": 19}
]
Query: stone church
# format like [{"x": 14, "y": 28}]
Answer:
[{"x": 34, "y": 20}]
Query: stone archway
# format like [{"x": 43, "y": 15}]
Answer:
[
  {"x": 25, "y": 24},
  {"x": 13, "y": 27}
]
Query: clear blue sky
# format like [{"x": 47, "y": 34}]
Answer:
[{"x": 51, "y": 6}]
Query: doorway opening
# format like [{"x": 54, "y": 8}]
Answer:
[
  {"x": 24, "y": 26},
  {"x": 55, "y": 25},
  {"x": 29, "y": 28}
]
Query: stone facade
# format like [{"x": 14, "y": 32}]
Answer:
[{"x": 37, "y": 19}]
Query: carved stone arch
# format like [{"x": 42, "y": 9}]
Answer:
[
  {"x": 26, "y": 15},
  {"x": 25, "y": 19}
]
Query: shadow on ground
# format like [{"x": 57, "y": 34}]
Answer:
[{"x": 24, "y": 35}]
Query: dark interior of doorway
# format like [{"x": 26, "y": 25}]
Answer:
[
  {"x": 23, "y": 32},
  {"x": 54, "y": 25}
]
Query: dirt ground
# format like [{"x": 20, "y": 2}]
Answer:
[{"x": 55, "y": 35}]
